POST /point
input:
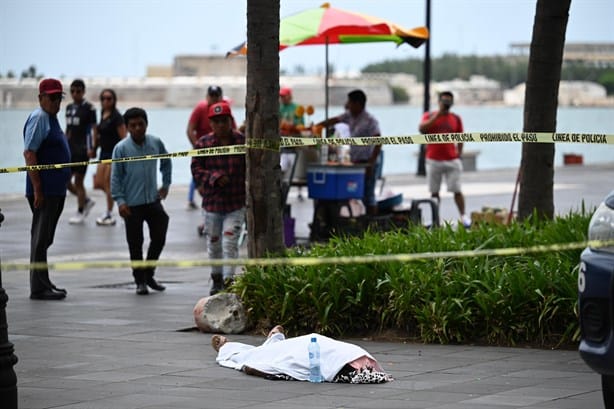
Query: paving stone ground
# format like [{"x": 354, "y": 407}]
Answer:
[{"x": 105, "y": 347}]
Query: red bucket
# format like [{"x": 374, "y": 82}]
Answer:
[{"x": 572, "y": 159}]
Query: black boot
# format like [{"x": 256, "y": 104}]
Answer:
[
  {"x": 218, "y": 283},
  {"x": 141, "y": 289},
  {"x": 155, "y": 285}
]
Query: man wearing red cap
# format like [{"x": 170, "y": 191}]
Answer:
[
  {"x": 45, "y": 143},
  {"x": 221, "y": 182}
]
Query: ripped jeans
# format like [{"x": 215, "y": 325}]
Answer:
[{"x": 222, "y": 235}]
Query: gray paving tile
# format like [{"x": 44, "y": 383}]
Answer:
[
  {"x": 499, "y": 399},
  {"x": 169, "y": 380},
  {"x": 58, "y": 383},
  {"x": 473, "y": 405},
  {"x": 585, "y": 400},
  {"x": 476, "y": 387},
  {"x": 544, "y": 393},
  {"x": 109, "y": 376},
  {"x": 585, "y": 381},
  {"x": 543, "y": 374},
  {"x": 127, "y": 401}
]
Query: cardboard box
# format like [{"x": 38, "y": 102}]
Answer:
[{"x": 490, "y": 215}]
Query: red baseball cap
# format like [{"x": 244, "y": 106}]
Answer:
[
  {"x": 219, "y": 109},
  {"x": 285, "y": 91},
  {"x": 50, "y": 86}
]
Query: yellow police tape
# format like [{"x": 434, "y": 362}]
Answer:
[
  {"x": 288, "y": 142},
  {"x": 309, "y": 261},
  {"x": 218, "y": 150},
  {"x": 420, "y": 139}
]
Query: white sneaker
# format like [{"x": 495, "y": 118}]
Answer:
[
  {"x": 466, "y": 221},
  {"x": 105, "y": 220},
  {"x": 78, "y": 218},
  {"x": 89, "y": 203}
]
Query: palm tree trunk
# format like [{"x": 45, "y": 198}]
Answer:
[
  {"x": 264, "y": 207},
  {"x": 541, "y": 102}
]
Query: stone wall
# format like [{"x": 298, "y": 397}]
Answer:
[{"x": 183, "y": 92}]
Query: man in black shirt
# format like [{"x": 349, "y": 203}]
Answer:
[{"x": 80, "y": 126}]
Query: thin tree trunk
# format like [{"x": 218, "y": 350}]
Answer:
[
  {"x": 541, "y": 102},
  {"x": 264, "y": 207}
]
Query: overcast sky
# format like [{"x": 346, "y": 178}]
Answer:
[{"x": 122, "y": 37}]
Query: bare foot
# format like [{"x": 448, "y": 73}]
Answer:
[
  {"x": 277, "y": 329},
  {"x": 217, "y": 341}
]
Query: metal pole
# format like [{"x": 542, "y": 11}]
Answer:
[
  {"x": 427, "y": 85},
  {"x": 8, "y": 378},
  {"x": 326, "y": 88}
]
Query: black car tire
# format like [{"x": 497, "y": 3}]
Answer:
[{"x": 607, "y": 386}]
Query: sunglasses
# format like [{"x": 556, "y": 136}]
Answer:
[
  {"x": 218, "y": 119},
  {"x": 55, "y": 97}
]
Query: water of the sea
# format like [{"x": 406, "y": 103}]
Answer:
[{"x": 170, "y": 125}]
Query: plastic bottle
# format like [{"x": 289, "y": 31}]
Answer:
[
  {"x": 315, "y": 375},
  {"x": 324, "y": 154},
  {"x": 343, "y": 153}
]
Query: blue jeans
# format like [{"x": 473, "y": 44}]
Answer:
[
  {"x": 191, "y": 190},
  {"x": 222, "y": 232}
]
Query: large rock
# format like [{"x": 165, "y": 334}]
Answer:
[{"x": 221, "y": 312}]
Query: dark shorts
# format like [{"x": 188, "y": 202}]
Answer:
[{"x": 79, "y": 156}]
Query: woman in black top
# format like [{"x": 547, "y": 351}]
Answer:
[{"x": 111, "y": 130}]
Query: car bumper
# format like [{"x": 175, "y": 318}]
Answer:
[{"x": 596, "y": 309}]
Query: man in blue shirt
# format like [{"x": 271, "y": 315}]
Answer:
[
  {"x": 134, "y": 188},
  {"x": 45, "y": 143}
]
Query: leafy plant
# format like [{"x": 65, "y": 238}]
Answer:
[{"x": 502, "y": 300}]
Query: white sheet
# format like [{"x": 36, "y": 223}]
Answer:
[{"x": 290, "y": 356}]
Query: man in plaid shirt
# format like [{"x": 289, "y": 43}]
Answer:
[{"x": 221, "y": 183}]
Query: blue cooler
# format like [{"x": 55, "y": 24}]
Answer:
[{"x": 336, "y": 182}]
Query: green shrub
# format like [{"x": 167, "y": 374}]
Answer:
[
  {"x": 399, "y": 95},
  {"x": 501, "y": 300}
]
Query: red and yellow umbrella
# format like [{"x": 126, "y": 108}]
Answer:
[{"x": 329, "y": 25}]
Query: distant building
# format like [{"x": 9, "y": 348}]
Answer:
[
  {"x": 198, "y": 65},
  {"x": 209, "y": 65},
  {"x": 571, "y": 93},
  {"x": 160, "y": 71},
  {"x": 600, "y": 54},
  {"x": 185, "y": 82},
  {"x": 478, "y": 90}
]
